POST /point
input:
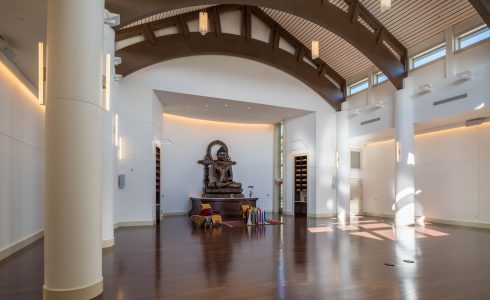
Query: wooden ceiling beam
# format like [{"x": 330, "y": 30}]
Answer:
[
  {"x": 483, "y": 9},
  {"x": 320, "y": 12},
  {"x": 157, "y": 49}
]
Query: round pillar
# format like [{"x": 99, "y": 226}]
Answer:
[
  {"x": 405, "y": 159},
  {"x": 343, "y": 168},
  {"x": 72, "y": 236},
  {"x": 109, "y": 176}
]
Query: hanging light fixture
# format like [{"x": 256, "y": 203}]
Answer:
[
  {"x": 315, "y": 49},
  {"x": 385, "y": 5},
  {"x": 203, "y": 22}
]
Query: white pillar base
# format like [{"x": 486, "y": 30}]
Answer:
[{"x": 83, "y": 293}]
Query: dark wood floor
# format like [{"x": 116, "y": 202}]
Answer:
[{"x": 302, "y": 259}]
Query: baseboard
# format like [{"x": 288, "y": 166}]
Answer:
[
  {"x": 324, "y": 215},
  {"x": 9, "y": 250},
  {"x": 170, "y": 214},
  {"x": 134, "y": 223},
  {"x": 459, "y": 223},
  {"x": 379, "y": 215},
  {"x": 108, "y": 243},
  {"x": 436, "y": 221}
]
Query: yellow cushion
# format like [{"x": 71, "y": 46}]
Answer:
[
  {"x": 216, "y": 219},
  {"x": 205, "y": 205}
]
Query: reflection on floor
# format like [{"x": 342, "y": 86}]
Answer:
[
  {"x": 306, "y": 258},
  {"x": 378, "y": 230}
]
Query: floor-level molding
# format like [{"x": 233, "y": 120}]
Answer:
[
  {"x": 87, "y": 292},
  {"x": 324, "y": 215},
  {"x": 436, "y": 221},
  {"x": 19, "y": 245},
  {"x": 134, "y": 223},
  {"x": 177, "y": 213},
  {"x": 108, "y": 243}
]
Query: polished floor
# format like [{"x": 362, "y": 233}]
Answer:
[{"x": 302, "y": 259}]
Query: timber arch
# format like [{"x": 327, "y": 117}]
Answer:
[
  {"x": 373, "y": 40},
  {"x": 314, "y": 73}
]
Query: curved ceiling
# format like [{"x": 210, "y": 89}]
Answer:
[
  {"x": 275, "y": 47},
  {"x": 353, "y": 23}
]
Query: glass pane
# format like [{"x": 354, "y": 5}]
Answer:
[
  {"x": 380, "y": 78},
  {"x": 428, "y": 57},
  {"x": 361, "y": 86},
  {"x": 473, "y": 38}
]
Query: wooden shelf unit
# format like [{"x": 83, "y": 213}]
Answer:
[
  {"x": 300, "y": 184},
  {"x": 157, "y": 182}
]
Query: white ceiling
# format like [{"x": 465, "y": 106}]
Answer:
[
  {"x": 223, "y": 110},
  {"x": 23, "y": 26}
]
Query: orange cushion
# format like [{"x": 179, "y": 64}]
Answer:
[{"x": 205, "y": 205}]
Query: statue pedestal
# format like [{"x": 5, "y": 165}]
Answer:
[{"x": 230, "y": 208}]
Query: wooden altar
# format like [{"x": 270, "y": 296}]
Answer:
[{"x": 230, "y": 208}]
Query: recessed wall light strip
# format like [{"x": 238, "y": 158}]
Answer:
[
  {"x": 41, "y": 73},
  {"x": 108, "y": 65}
]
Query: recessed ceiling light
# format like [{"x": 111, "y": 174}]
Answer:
[
  {"x": 248, "y": 108},
  {"x": 226, "y": 105},
  {"x": 207, "y": 105}
]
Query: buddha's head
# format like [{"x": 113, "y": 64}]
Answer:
[{"x": 222, "y": 154}]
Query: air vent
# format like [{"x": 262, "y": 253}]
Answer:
[
  {"x": 355, "y": 160},
  {"x": 447, "y": 100},
  {"x": 370, "y": 121}
]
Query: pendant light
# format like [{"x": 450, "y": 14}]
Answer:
[
  {"x": 385, "y": 5},
  {"x": 203, "y": 22},
  {"x": 315, "y": 49}
]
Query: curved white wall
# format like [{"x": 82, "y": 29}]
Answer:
[{"x": 227, "y": 78}]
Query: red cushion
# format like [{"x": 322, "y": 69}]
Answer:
[{"x": 206, "y": 212}]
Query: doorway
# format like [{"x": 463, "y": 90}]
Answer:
[
  {"x": 355, "y": 197},
  {"x": 300, "y": 185},
  {"x": 158, "y": 211}
]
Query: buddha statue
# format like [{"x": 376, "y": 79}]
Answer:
[
  {"x": 218, "y": 174},
  {"x": 221, "y": 172}
]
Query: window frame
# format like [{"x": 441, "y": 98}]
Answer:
[
  {"x": 470, "y": 34},
  {"x": 356, "y": 84},
  {"x": 376, "y": 78},
  {"x": 427, "y": 53}
]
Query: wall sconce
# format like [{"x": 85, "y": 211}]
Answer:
[
  {"x": 466, "y": 75},
  {"x": 426, "y": 88},
  {"x": 203, "y": 22},
  {"x": 120, "y": 148},
  {"x": 116, "y": 130},
  {"x": 355, "y": 112},
  {"x": 41, "y": 73},
  {"x": 117, "y": 60},
  {"x": 398, "y": 152},
  {"x": 315, "y": 49},
  {"x": 108, "y": 65}
]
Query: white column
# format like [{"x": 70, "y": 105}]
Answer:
[
  {"x": 108, "y": 148},
  {"x": 404, "y": 178},
  {"x": 343, "y": 168},
  {"x": 72, "y": 235}
]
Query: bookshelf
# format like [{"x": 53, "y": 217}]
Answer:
[
  {"x": 300, "y": 184},
  {"x": 157, "y": 182}
]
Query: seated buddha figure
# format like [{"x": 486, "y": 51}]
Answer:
[{"x": 221, "y": 173}]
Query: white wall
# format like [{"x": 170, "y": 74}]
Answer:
[
  {"x": 21, "y": 159},
  {"x": 215, "y": 76},
  {"x": 251, "y": 146},
  {"x": 452, "y": 173}
]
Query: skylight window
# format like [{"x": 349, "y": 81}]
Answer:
[
  {"x": 472, "y": 37},
  {"x": 428, "y": 56},
  {"x": 379, "y": 77},
  {"x": 358, "y": 87}
]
